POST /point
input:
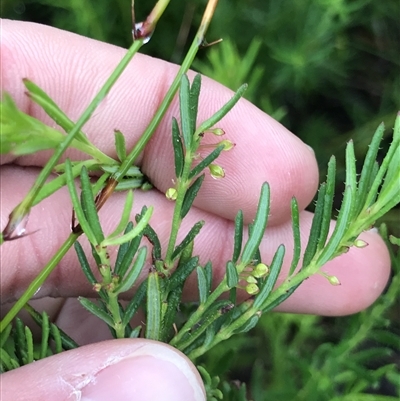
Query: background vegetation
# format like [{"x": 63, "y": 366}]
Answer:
[{"x": 329, "y": 71}]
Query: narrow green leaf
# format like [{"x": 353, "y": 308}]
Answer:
[
  {"x": 127, "y": 184},
  {"x": 153, "y": 309},
  {"x": 22, "y": 134},
  {"x": 89, "y": 206},
  {"x": 173, "y": 301},
  {"x": 44, "y": 346},
  {"x": 122, "y": 249},
  {"x": 315, "y": 227},
  {"x": 56, "y": 336},
  {"x": 95, "y": 255},
  {"x": 188, "y": 239},
  {"x": 152, "y": 237},
  {"x": 206, "y": 162},
  {"x": 238, "y": 238},
  {"x": 270, "y": 281},
  {"x": 222, "y": 112},
  {"x": 120, "y": 145},
  {"x": 58, "y": 182},
  {"x": 209, "y": 274},
  {"x": 190, "y": 195},
  {"x": 379, "y": 178},
  {"x": 296, "y": 236},
  {"x": 97, "y": 311},
  {"x": 280, "y": 299},
  {"x": 340, "y": 229},
  {"x": 126, "y": 213},
  {"x": 391, "y": 162},
  {"x": 77, "y": 204},
  {"x": 40, "y": 97},
  {"x": 392, "y": 176},
  {"x": 67, "y": 342},
  {"x": 6, "y": 362},
  {"x": 194, "y": 101},
  {"x": 184, "y": 106},
  {"x": 135, "y": 333},
  {"x": 351, "y": 175},
  {"x": 233, "y": 295},
  {"x": 178, "y": 148},
  {"x": 232, "y": 276},
  {"x": 124, "y": 264},
  {"x": 257, "y": 257},
  {"x": 259, "y": 225},
  {"x": 328, "y": 202},
  {"x": 181, "y": 273},
  {"x": 133, "y": 171},
  {"x": 84, "y": 263},
  {"x": 215, "y": 311},
  {"x": 20, "y": 340},
  {"x": 141, "y": 225},
  {"x": 186, "y": 254},
  {"x": 29, "y": 345},
  {"x": 129, "y": 280},
  {"x": 365, "y": 180},
  {"x": 250, "y": 324},
  {"x": 202, "y": 284},
  {"x": 209, "y": 336},
  {"x": 135, "y": 303}
]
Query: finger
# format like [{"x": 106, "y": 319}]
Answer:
[
  {"x": 363, "y": 272},
  {"x": 71, "y": 69},
  {"x": 120, "y": 369}
]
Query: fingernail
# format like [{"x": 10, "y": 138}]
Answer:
[{"x": 152, "y": 372}]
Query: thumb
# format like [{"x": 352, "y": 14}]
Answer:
[{"x": 127, "y": 369}]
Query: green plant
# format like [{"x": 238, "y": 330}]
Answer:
[{"x": 211, "y": 320}]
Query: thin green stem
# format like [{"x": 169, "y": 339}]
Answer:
[
  {"x": 224, "y": 334},
  {"x": 187, "y": 62},
  {"x": 24, "y": 207},
  {"x": 196, "y": 316},
  {"x": 38, "y": 281},
  {"x": 183, "y": 185},
  {"x": 109, "y": 286},
  {"x": 113, "y": 307}
]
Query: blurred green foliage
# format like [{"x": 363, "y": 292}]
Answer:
[{"x": 329, "y": 71}]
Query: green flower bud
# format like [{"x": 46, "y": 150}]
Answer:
[
  {"x": 252, "y": 289},
  {"x": 216, "y": 171},
  {"x": 228, "y": 145},
  {"x": 171, "y": 194},
  {"x": 333, "y": 280},
  {"x": 359, "y": 243},
  {"x": 217, "y": 131},
  {"x": 260, "y": 270}
]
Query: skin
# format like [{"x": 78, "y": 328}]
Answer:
[{"x": 71, "y": 69}]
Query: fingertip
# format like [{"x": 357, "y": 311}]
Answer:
[
  {"x": 368, "y": 275},
  {"x": 118, "y": 369},
  {"x": 153, "y": 371},
  {"x": 363, "y": 274}
]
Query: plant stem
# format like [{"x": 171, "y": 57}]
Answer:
[
  {"x": 183, "y": 185},
  {"x": 109, "y": 286},
  {"x": 149, "y": 131},
  {"x": 37, "y": 282},
  {"x": 24, "y": 207},
  {"x": 196, "y": 316}
]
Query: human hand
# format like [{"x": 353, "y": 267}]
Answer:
[{"x": 71, "y": 69}]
